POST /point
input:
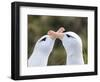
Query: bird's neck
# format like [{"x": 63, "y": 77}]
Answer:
[
  {"x": 39, "y": 59},
  {"x": 74, "y": 57}
]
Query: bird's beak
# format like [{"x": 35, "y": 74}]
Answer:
[
  {"x": 52, "y": 34},
  {"x": 59, "y": 34}
]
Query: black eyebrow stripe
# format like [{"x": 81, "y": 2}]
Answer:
[
  {"x": 43, "y": 39},
  {"x": 69, "y": 35}
]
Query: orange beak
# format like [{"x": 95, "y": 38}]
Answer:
[{"x": 58, "y": 34}]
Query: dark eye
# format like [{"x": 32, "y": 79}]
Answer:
[
  {"x": 43, "y": 39},
  {"x": 68, "y": 35}
]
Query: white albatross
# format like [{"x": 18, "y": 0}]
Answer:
[
  {"x": 41, "y": 51},
  {"x": 73, "y": 47}
]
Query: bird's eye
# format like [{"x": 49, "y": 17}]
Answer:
[
  {"x": 68, "y": 35},
  {"x": 43, "y": 39}
]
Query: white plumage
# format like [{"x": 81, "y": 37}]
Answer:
[
  {"x": 41, "y": 51},
  {"x": 73, "y": 47}
]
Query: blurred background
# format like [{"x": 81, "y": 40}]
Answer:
[{"x": 40, "y": 25}]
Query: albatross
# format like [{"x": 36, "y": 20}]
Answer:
[
  {"x": 42, "y": 49},
  {"x": 73, "y": 47}
]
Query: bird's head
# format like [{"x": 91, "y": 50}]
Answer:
[
  {"x": 72, "y": 41},
  {"x": 44, "y": 44}
]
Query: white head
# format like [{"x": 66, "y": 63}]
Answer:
[
  {"x": 72, "y": 42},
  {"x": 44, "y": 45}
]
